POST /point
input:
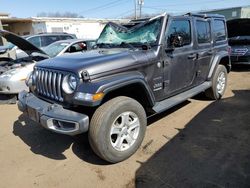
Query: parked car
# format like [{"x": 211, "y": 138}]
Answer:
[
  {"x": 68, "y": 46},
  {"x": 39, "y": 40},
  {"x": 7, "y": 51},
  {"x": 134, "y": 73},
  {"x": 45, "y": 39},
  {"x": 13, "y": 73},
  {"x": 239, "y": 40}
]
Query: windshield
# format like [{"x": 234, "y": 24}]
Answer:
[
  {"x": 55, "y": 48},
  {"x": 146, "y": 33},
  {"x": 9, "y": 45}
]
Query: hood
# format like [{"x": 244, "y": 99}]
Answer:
[
  {"x": 96, "y": 61},
  {"x": 20, "y": 42},
  {"x": 238, "y": 27}
]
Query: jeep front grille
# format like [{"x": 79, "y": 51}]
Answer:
[{"x": 49, "y": 83}]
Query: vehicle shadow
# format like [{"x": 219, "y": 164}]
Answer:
[
  {"x": 211, "y": 151},
  {"x": 53, "y": 145},
  {"x": 8, "y": 99},
  {"x": 241, "y": 68}
]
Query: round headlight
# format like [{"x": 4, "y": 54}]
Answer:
[{"x": 69, "y": 84}]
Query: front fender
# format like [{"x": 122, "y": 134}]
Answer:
[{"x": 117, "y": 81}]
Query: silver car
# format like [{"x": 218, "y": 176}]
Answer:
[
  {"x": 14, "y": 72},
  {"x": 13, "y": 81}
]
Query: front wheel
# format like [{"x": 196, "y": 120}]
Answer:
[
  {"x": 219, "y": 83},
  {"x": 117, "y": 129}
]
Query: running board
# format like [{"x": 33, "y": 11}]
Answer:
[{"x": 177, "y": 99}]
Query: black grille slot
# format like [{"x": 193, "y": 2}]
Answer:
[{"x": 49, "y": 83}]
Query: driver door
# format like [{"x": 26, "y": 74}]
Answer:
[{"x": 180, "y": 62}]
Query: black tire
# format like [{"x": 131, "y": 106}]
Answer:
[
  {"x": 213, "y": 92},
  {"x": 8, "y": 99},
  {"x": 102, "y": 121}
]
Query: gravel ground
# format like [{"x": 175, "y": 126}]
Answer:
[{"x": 199, "y": 143}]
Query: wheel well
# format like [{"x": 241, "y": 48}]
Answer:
[
  {"x": 226, "y": 62},
  {"x": 135, "y": 91}
]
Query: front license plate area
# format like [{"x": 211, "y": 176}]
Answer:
[{"x": 32, "y": 114}]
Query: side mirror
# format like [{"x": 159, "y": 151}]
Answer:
[{"x": 176, "y": 40}]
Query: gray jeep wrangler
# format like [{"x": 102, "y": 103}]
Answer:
[{"x": 133, "y": 72}]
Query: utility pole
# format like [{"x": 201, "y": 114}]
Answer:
[
  {"x": 140, "y": 3},
  {"x": 135, "y": 9}
]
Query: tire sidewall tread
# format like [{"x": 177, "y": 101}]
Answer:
[{"x": 100, "y": 125}]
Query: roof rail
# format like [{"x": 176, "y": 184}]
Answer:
[{"x": 204, "y": 15}]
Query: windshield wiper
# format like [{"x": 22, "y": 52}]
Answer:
[{"x": 125, "y": 44}]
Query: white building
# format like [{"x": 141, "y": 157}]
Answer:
[{"x": 81, "y": 27}]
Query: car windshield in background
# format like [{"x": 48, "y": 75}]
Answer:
[
  {"x": 55, "y": 48},
  {"x": 146, "y": 33},
  {"x": 9, "y": 45}
]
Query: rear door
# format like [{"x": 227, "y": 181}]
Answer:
[{"x": 204, "y": 48}]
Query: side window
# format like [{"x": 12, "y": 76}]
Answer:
[
  {"x": 203, "y": 31},
  {"x": 47, "y": 40},
  {"x": 81, "y": 46},
  {"x": 65, "y": 37},
  {"x": 180, "y": 27},
  {"x": 219, "y": 30},
  {"x": 35, "y": 41}
]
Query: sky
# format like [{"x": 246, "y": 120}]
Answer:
[{"x": 111, "y": 8}]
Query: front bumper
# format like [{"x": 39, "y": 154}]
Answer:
[
  {"x": 12, "y": 87},
  {"x": 52, "y": 116}
]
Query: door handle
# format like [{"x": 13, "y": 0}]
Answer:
[
  {"x": 210, "y": 52},
  {"x": 192, "y": 56}
]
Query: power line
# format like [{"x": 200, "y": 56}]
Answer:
[
  {"x": 107, "y": 5},
  {"x": 160, "y": 7},
  {"x": 123, "y": 13}
]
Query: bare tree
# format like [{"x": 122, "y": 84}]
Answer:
[{"x": 59, "y": 15}]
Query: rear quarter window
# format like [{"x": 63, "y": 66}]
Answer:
[{"x": 219, "y": 30}]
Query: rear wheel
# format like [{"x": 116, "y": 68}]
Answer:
[
  {"x": 219, "y": 83},
  {"x": 117, "y": 129}
]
